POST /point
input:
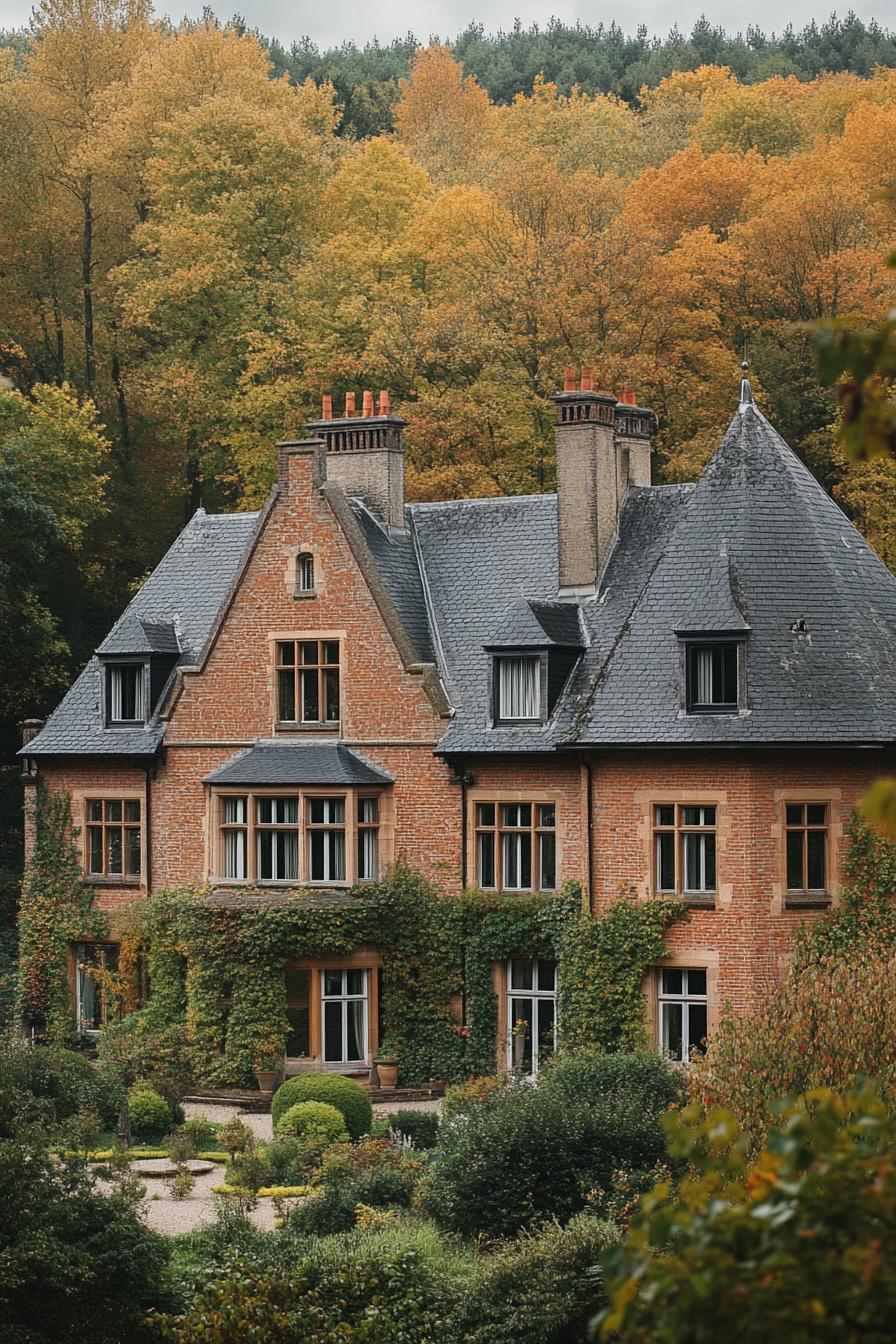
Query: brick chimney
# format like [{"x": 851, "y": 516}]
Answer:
[
  {"x": 365, "y": 454},
  {"x": 634, "y": 426},
  {"x": 587, "y": 493}
]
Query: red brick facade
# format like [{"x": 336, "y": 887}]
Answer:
[{"x": 388, "y": 717}]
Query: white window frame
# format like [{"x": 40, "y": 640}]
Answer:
[
  {"x": 242, "y": 805},
  {"x": 305, "y": 572},
  {"x": 533, "y": 995},
  {"x": 518, "y": 703},
  {"x": 345, "y": 999},
  {"x": 114, "y": 673},
  {"x": 665, "y": 1000},
  {"x": 502, "y": 835},
  {"x": 684, "y": 835},
  {"x": 334, "y": 823}
]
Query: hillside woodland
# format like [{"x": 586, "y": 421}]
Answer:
[{"x": 202, "y": 233}]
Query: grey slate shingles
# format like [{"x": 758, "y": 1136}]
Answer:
[
  {"x": 182, "y": 596},
  {"x": 755, "y": 547},
  {"x": 278, "y": 762}
]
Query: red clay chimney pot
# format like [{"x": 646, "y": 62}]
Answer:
[
  {"x": 367, "y": 405},
  {"x": 385, "y": 403},
  {"x": 327, "y": 408},
  {"x": 587, "y": 383},
  {"x": 349, "y": 405},
  {"x": 628, "y": 397},
  {"x": 569, "y": 378}
]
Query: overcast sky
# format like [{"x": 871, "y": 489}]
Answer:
[{"x": 338, "y": 20}]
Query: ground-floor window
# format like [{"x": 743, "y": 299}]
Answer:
[
  {"x": 344, "y": 1016},
  {"x": 531, "y": 1013},
  {"x": 332, "y": 1013},
  {"x": 92, "y": 961},
  {"x": 682, "y": 1012}
]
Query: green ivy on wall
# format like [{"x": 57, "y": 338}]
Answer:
[
  {"x": 865, "y": 912},
  {"x": 55, "y": 910},
  {"x": 232, "y": 995},
  {"x": 216, "y": 971}
]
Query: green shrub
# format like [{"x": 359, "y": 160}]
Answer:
[
  {"x": 137, "y": 1047},
  {"x": 796, "y": 1244},
  {"x": 76, "y": 1265},
  {"x": 642, "y": 1077},
  {"x": 312, "y": 1117},
  {"x": 347, "y": 1096},
  {"x": 53, "y": 1084},
  {"x": 150, "y": 1113},
  {"x": 374, "y": 1173},
  {"x": 525, "y": 1155},
  {"x": 202, "y": 1132},
  {"x": 421, "y": 1127},
  {"x": 539, "y": 1289}
]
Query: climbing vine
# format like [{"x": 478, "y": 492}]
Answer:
[
  {"x": 218, "y": 1004},
  {"x": 219, "y": 970},
  {"x": 865, "y": 913},
  {"x": 55, "y": 910}
]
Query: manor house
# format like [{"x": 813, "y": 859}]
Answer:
[{"x": 678, "y": 690}]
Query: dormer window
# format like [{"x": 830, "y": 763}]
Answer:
[
  {"x": 518, "y": 688},
  {"x": 126, "y": 693},
  {"x": 712, "y": 674},
  {"x": 305, "y": 573}
]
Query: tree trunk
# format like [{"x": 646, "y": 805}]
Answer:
[{"x": 87, "y": 287}]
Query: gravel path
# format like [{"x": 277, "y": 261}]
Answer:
[{"x": 173, "y": 1217}]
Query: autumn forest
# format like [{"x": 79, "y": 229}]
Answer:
[{"x": 196, "y": 246}]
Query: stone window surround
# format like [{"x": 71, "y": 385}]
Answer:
[
  {"x": 291, "y": 572},
  {"x": 646, "y": 801},
  {"x": 498, "y": 795},
  {"x": 351, "y": 793},
  {"x": 833, "y": 799},
  {"x": 80, "y": 813},
  {"x": 365, "y": 958},
  {"x": 698, "y": 959},
  {"x": 280, "y": 728}
]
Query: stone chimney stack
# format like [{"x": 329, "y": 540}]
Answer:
[
  {"x": 365, "y": 454},
  {"x": 587, "y": 491}
]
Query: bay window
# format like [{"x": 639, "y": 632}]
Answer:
[{"x": 296, "y": 836}]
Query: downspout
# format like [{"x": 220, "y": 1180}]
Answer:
[
  {"x": 463, "y": 880},
  {"x": 589, "y": 775},
  {"x": 147, "y": 825}
]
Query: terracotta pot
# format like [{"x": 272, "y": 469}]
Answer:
[
  {"x": 388, "y": 1071},
  {"x": 268, "y": 1081}
]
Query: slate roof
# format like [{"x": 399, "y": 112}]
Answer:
[
  {"x": 173, "y": 613},
  {"x": 277, "y": 762},
  {"x": 759, "y": 549},
  {"x": 395, "y": 557},
  {"x": 756, "y": 548}
]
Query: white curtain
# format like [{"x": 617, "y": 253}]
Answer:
[
  {"x": 518, "y": 689},
  {"x": 367, "y": 864},
  {"x": 704, "y": 677}
]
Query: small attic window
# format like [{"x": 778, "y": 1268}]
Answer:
[
  {"x": 305, "y": 580},
  {"x": 518, "y": 688},
  {"x": 126, "y": 693},
  {"x": 712, "y": 672}
]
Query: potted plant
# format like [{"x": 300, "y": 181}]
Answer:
[
  {"x": 387, "y": 1063},
  {"x": 268, "y": 1066}
]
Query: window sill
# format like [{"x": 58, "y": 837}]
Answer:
[
  {"x": 692, "y": 899},
  {"x": 112, "y": 880},
  {"x": 286, "y": 727},
  {"x": 807, "y": 900},
  {"x": 301, "y": 594}
]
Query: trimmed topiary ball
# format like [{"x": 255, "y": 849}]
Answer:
[
  {"x": 315, "y": 1118},
  {"x": 150, "y": 1112},
  {"x": 348, "y": 1097}
]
